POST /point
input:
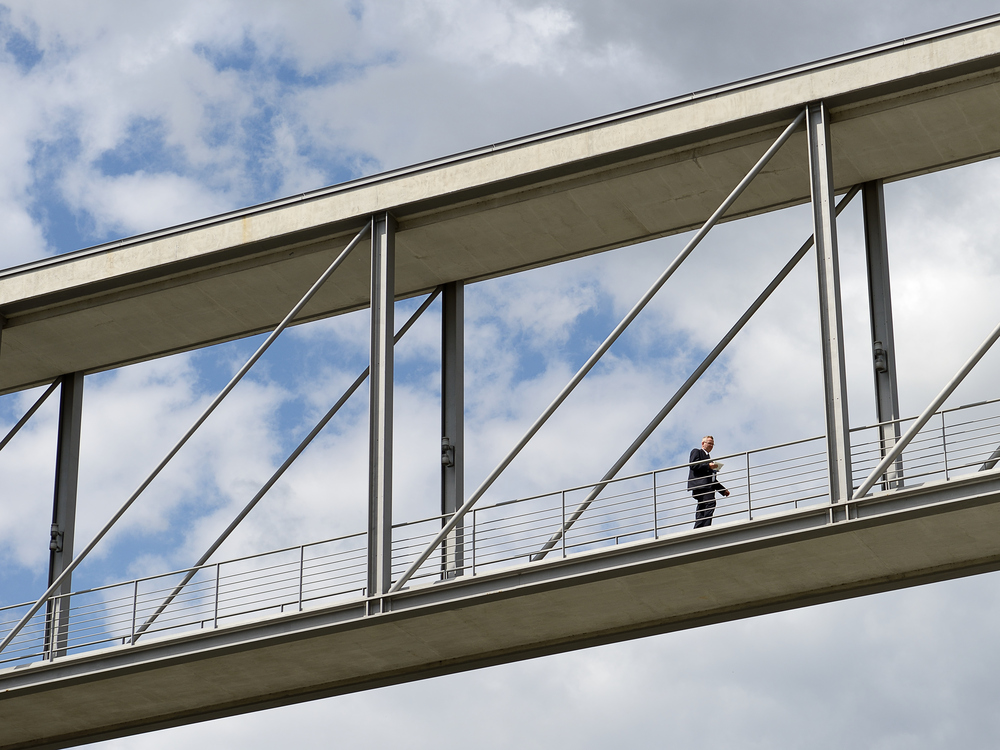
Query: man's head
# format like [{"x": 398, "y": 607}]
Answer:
[{"x": 707, "y": 443}]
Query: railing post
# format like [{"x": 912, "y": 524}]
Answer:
[
  {"x": 474, "y": 512},
  {"x": 656, "y": 512},
  {"x": 563, "y": 526},
  {"x": 944, "y": 446},
  {"x": 135, "y": 609},
  {"x": 749, "y": 497},
  {"x": 831, "y": 318},
  {"x": 218, "y": 578},
  {"x": 302, "y": 568}
]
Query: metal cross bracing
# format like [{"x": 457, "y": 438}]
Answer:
[{"x": 468, "y": 538}]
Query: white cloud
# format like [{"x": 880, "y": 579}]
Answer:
[
  {"x": 232, "y": 114},
  {"x": 139, "y": 202}
]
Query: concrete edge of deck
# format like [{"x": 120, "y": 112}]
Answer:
[{"x": 536, "y": 598}]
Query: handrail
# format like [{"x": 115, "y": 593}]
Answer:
[
  {"x": 179, "y": 571},
  {"x": 873, "y": 425}
]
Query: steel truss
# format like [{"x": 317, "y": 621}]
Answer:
[{"x": 450, "y": 540}]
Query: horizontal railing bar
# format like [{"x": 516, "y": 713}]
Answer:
[{"x": 181, "y": 571}]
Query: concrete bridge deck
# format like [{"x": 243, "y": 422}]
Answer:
[
  {"x": 249, "y": 638},
  {"x": 898, "y": 110},
  {"x": 797, "y": 558}
]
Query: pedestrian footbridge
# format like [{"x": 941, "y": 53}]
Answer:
[
  {"x": 490, "y": 580},
  {"x": 297, "y": 623}
]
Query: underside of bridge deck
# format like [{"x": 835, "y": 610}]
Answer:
[{"x": 897, "y": 539}]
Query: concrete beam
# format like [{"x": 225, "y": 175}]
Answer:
[
  {"x": 897, "y": 110},
  {"x": 902, "y": 538}
]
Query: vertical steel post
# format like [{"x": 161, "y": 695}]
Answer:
[
  {"x": 838, "y": 442},
  {"x": 563, "y": 494},
  {"x": 135, "y": 610},
  {"x": 944, "y": 446},
  {"x": 452, "y": 424},
  {"x": 656, "y": 512},
  {"x": 474, "y": 512},
  {"x": 380, "y": 407},
  {"x": 64, "y": 511},
  {"x": 218, "y": 585},
  {"x": 883, "y": 342},
  {"x": 302, "y": 572}
]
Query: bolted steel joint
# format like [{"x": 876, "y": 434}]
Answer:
[
  {"x": 55, "y": 539},
  {"x": 881, "y": 362},
  {"x": 447, "y": 452}
]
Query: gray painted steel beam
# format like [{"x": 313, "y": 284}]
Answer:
[
  {"x": 880, "y": 309},
  {"x": 28, "y": 414},
  {"x": 383, "y": 262},
  {"x": 453, "y": 423},
  {"x": 830, "y": 315},
  {"x": 64, "y": 510}
]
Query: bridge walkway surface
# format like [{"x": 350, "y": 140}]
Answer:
[{"x": 296, "y": 623}]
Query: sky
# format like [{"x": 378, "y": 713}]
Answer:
[{"x": 120, "y": 118}]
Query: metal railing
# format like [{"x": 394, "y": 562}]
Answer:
[
  {"x": 650, "y": 505},
  {"x": 290, "y": 579}
]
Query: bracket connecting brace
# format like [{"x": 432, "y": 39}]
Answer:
[
  {"x": 881, "y": 361},
  {"x": 55, "y": 538},
  {"x": 447, "y": 452}
]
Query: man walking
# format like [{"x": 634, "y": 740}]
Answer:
[{"x": 702, "y": 482}]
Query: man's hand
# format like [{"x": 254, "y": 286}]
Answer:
[{"x": 725, "y": 493}]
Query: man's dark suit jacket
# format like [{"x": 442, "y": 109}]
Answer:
[{"x": 701, "y": 478}]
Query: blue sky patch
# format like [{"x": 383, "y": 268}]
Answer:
[
  {"x": 144, "y": 149},
  {"x": 25, "y": 52},
  {"x": 64, "y": 229}
]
